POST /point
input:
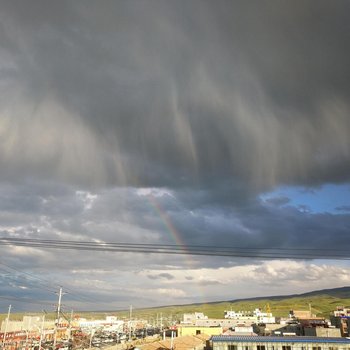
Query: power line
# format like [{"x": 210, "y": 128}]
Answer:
[
  {"x": 21, "y": 278},
  {"x": 241, "y": 252},
  {"x": 46, "y": 284},
  {"x": 27, "y": 300}
]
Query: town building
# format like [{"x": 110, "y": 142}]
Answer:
[
  {"x": 231, "y": 320},
  {"x": 110, "y": 322},
  {"x": 28, "y": 323},
  {"x": 191, "y": 318},
  {"x": 341, "y": 320},
  {"x": 322, "y": 332},
  {"x": 241, "y": 330},
  {"x": 256, "y": 316},
  {"x": 180, "y": 343},
  {"x": 185, "y": 330},
  {"x": 278, "y": 343}
]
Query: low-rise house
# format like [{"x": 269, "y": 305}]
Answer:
[
  {"x": 341, "y": 319},
  {"x": 239, "y": 330},
  {"x": 278, "y": 343},
  {"x": 192, "y": 318},
  {"x": 256, "y": 316},
  {"x": 184, "y": 330},
  {"x": 179, "y": 343},
  {"x": 322, "y": 332}
]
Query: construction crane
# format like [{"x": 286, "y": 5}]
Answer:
[{"x": 267, "y": 308}]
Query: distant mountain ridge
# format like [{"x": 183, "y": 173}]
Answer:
[
  {"x": 341, "y": 292},
  {"x": 322, "y": 302}
]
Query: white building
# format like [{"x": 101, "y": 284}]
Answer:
[
  {"x": 256, "y": 316},
  {"x": 191, "y": 318},
  {"x": 110, "y": 323}
]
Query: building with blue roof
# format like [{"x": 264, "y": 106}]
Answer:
[{"x": 222, "y": 342}]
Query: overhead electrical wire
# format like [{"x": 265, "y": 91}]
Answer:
[
  {"x": 42, "y": 283},
  {"x": 27, "y": 300},
  {"x": 22, "y": 278},
  {"x": 43, "y": 303},
  {"x": 227, "y": 251},
  {"x": 302, "y": 253}
]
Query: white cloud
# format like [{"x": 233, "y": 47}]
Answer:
[
  {"x": 87, "y": 198},
  {"x": 155, "y": 192},
  {"x": 169, "y": 292}
]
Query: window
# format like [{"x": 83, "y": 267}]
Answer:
[
  {"x": 232, "y": 347},
  {"x": 260, "y": 347},
  {"x": 286, "y": 347},
  {"x": 316, "y": 348}
]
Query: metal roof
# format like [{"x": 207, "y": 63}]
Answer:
[{"x": 260, "y": 339}]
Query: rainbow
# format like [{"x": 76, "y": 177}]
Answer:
[{"x": 175, "y": 236}]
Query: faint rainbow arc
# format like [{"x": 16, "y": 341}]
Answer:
[{"x": 175, "y": 235}]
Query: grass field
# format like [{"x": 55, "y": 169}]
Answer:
[{"x": 322, "y": 304}]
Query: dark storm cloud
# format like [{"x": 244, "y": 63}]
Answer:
[
  {"x": 209, "y": 103},
  {"x": 172, "y": 93},
  {"x": 343, "y": 208},
  {"x": 278, "y": 201}
]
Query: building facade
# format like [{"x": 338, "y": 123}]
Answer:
[
  {"x": 278, "y": 343},
  {"x": 184, "y": 330}
]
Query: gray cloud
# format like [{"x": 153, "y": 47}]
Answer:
[
  {"x": 343, "y": 208},
  {"x": 163, "y": 122},
  {"x": 227, "y": 90},
  {"x": 278, "y": 201},
  {"x": 167, "y": 276}
]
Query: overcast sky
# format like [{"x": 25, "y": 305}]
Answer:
[{"x": 214, "y": 123}]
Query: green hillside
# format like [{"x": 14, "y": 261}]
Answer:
[{"x": 322, "y": 303}]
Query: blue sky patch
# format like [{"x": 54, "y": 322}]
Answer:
[{"x": 329, "y": 198}]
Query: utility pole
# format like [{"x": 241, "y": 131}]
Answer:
[
  {"x": 6, "y": 325},
  {"x": 41, "y": 331},
  {"x": 172, "y": 341},
  {"x": 130, "y": 315},
  {"x": 27, "y": 331},
  {"x": 58, "y": 318},
  {"x": 92, "y": 330},
  {"x": 70, "y": 326}
]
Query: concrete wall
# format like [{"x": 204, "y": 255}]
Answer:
[
  {"x": 194, "y": 330},
  {"x": 322, "y": 332}
]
